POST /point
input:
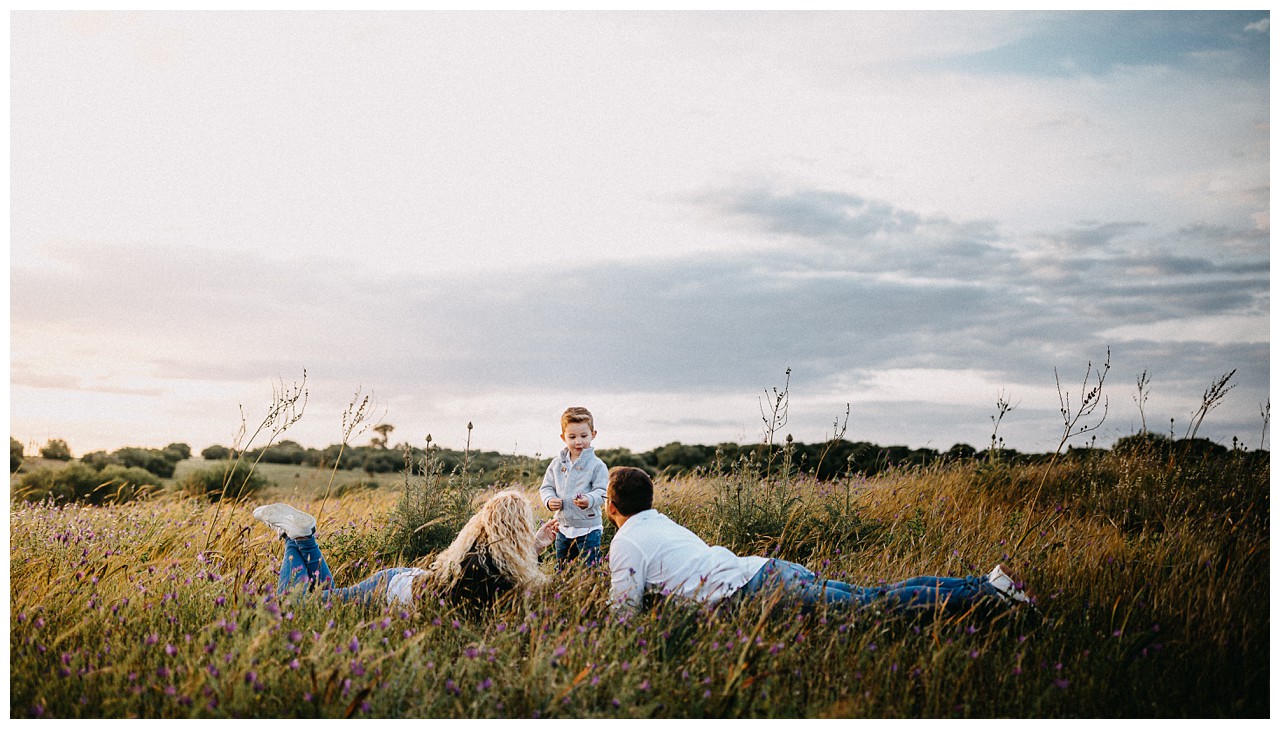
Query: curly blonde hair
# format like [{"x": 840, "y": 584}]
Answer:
[{"x": 504, "y": 527}]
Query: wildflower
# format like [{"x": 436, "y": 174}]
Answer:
[
  {"x": 153, "y": 639},
  {"x": 561, "y": 650},
  {"x": 644, "y": 685}
]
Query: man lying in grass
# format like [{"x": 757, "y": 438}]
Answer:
[{"x": 650, "y": 553}]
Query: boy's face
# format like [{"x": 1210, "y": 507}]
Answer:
[{"x": 577, "y": 436}]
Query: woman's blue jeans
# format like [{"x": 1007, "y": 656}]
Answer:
[
  {"x": 799, "y": 583},
  {"x": 587, "y": 545},
  {"x": 303, "y": 564}
]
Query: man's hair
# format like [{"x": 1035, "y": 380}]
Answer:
[
  {"x": 577, "y": 415},
  {"x": 630, "y": 490}
]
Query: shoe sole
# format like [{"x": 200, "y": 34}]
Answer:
[{"x": 286, "y": 520}]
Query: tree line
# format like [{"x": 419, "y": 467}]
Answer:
[{"x": 825, "y": 460}]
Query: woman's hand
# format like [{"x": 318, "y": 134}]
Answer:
[{"x": 545, "y": 535}]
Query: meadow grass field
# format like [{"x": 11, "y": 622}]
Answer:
[{"x": 1152, "y": 571}]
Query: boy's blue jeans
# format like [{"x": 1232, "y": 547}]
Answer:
[
  {"x": 587, "y": 545},
  {"x": 303, "y": 564},
  {"x": 798, "y": 582}
]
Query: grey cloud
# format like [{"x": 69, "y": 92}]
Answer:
[
  {"x": 819, "y": 214},
  {"x": 1089, "y": 237},
  {"x": 938, "y": 294}
]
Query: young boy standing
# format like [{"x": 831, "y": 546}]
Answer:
[{"x": 574, "y": 488}]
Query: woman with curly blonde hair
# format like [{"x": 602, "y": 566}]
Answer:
[{"x": 496, "y": 552}]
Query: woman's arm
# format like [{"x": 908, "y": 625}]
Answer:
[{"x": 545, "y": 535}]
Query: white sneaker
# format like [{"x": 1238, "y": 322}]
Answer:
[
  {"x": 1008, "y": 586},
  {"x": 286, "y": 520}
]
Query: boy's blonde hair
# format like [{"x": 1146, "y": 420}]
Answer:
[{"x": 577, "y": 415}]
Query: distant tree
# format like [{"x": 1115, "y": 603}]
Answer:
[
  {"x": 286, "y": 452},
  {"x": 384, "y": 432},
  {"x": 15, "y": 454},
  {"x": 161, "y": 463},
  {"x": 56, "y": 450},
  {"x": 98, "y": 459},
  {"x": 383, "y": 461},
  {"x": 216, "y": 453},
  {"x": 181, "y": 450},
  {"x": 680, "y": 458}
]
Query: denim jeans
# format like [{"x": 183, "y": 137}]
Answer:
[
  {"x": 799, "y": 583},
  {"x": 303, "y": 564},
  {"x": 587, "y": 545}
]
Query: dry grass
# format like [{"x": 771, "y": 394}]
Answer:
[{"x": 1153, "y": 578}]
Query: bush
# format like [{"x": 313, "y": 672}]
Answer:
[
  {"x": 216, "y": 453},
  {"x": 238, "y": 478},
  {"x": 161, "y": 463},
  {"x": 84, "y": 483},
  {"x": 285, "y": 452},
  {"x": 432, "y": 510},
  {"x": 15, "y": 455},
  {"x": 56, "y": 450},
  {"x": 179, "y": 451}
]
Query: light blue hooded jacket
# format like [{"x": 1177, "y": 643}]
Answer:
[{"x": 565, "y": 480}]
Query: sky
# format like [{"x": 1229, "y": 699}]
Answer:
[{"x": 486, "y": 218}]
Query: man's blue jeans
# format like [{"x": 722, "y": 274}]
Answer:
[
  {"x": 587, "y": 545},
  {"x": 303, "y": 564},
  {"x": 799, "y": 583}
]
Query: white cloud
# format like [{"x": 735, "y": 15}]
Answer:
[{"x": 416, "y": 202}]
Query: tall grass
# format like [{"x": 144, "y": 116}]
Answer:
[{"x": 1152, "y": 572}]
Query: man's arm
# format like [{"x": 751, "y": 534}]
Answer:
[{"x": 627, "y": 569}]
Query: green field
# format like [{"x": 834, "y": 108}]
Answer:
[{"x": 1153, "y": 574}]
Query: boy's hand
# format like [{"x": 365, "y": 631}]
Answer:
[
  {"x": 555, "y": 504},
  {"x": 581, "y": 501}
]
